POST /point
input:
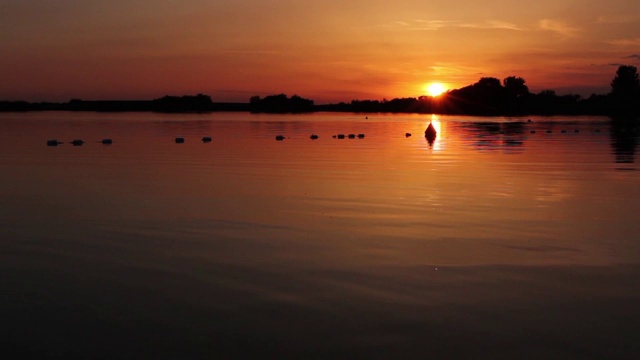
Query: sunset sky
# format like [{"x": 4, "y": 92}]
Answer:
[{"x": 328, "y": 51}]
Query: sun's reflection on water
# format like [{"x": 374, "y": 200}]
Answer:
[{"x": 436, "y": 144}]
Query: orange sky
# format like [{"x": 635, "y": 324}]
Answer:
[{"x": 329, "y": 51}]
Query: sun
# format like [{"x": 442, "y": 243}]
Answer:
[{"x": 435, "y": 89}]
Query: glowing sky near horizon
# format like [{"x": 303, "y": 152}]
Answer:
[{"x": 329, "y": 51}]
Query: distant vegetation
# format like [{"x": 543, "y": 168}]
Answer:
[
  {"x": 280, "y": 104},
  {"x": 197, "y": 103},
  {"x": 489, "y": 96},
  {"x": 170, "y": 104}
]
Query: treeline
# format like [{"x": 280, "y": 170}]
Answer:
[
  {"x": 280, "y": 104},
  {"x": 472, "y": 100},
  {"x": 489, "y": 96},
  {"x": 169, "y": 104},
  {"x": 172, "y": 104}
]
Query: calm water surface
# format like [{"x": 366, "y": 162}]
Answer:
[{"x": 502, "y": 239}]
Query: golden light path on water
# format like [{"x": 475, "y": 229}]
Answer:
[{"x": 437, "y": 124}]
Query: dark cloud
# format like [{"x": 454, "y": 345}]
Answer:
[{"x": 634, "y": 56}]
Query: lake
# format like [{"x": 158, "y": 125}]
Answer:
[{"x": 503, "y": 238}]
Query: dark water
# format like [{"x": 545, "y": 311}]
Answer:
[{"x": 502, "y": 239}]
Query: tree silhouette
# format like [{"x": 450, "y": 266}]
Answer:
[
  {"x": 488, "y": 84},
  {"x": 489, "y": 94},
  {"x": 515, "y": 86},
  {"x": 280, "y": 104},
  {"x": 625, "y": 89},
  {"x": 626, "y": 82},
  {"x": 515, "y": 93}
]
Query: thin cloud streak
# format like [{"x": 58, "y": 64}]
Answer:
[
  {"x": 432, "y": 25},
  {"x": 625, "y": 42},
  {"x": 619, "y": 19},
  {"x": 558, "y": 27},
  {"x": 493, "y": 24},
  {"x": 253, "y": 52}
]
